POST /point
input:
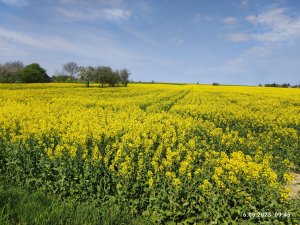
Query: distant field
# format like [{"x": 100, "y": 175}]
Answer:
[{"x": 181, "y": 153}]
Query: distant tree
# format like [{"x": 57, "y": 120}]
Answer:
[
  {"x": 86, "y": 74},
  {"x": 124, "y": 76},
  {"x": 103, "y": 75},
  {"x": 215, "y": 84},
  {"x": 10, "y": 71},
  {"x": 285, "y": 85},
  {"x": 272, "y": 85},
  {"x": 34, "y": 73},
  {"x": 62, "y": 78},
  {"x": 71, "y": 68},
  {"x": 114, "y": 78}
]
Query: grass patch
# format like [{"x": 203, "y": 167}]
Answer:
[{"x": 19, "y": 205}]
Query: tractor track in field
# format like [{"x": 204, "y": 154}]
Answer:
[{"x": 295, "y": 186}]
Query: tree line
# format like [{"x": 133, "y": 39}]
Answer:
[
  {"x": 17, "y": 72},
  {"x": 284, "y": 85},
  {"x": 104, "y": 75}
]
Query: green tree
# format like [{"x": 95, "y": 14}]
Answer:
[
  {"x": 102, "y": 75},
  {"x": 114, "y": 79},
  {"x": 34, "y": 73},
  {"x": 61, "y": 78}
]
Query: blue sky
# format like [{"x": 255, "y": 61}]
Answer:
[{"x": 205, "y": 41}]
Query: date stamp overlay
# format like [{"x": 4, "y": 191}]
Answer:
[{"x": 266, "y": 214}]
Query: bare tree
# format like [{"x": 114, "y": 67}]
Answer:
[
  {"x": 71, "y": 68},
  {"x": 124, "y": 76},
  {"x": 10, "y": 71}
]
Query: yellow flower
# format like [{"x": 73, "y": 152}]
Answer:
[
  {"x": 206, "y": 185},
  {"x": 176, "y": 182},
  {"x": 150, "y": 182},
  {"x": 149, "y": 173},
  {"x": 288, "y": 177}
]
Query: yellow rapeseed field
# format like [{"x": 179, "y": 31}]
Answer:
[{"x": 190, "y": 151}]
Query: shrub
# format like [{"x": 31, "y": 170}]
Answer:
[{"x": 34, "y": 73}]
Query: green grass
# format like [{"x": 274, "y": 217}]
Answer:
[{"x": 22, "y": 206}]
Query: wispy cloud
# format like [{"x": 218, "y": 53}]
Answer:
[
  {"x": 258, "y": 56},
  {"x": 230, "y": 20},
  {"x": 141, "y": 36},
  {"x": 244, "y": 3},
  {"x": 197, "y": 18},
  {"x": 90, "y": 46},
  {"x": 278, "y": 26},
  {"x": 177, "y": 40},
  {"x": 238, "y": 37},
  {"x": 15, "y": 2},
  {"x": 21, "y": 38},
  {"x": 274, "y": 26},
  {"x": 42, "y": 42},
  {"x": 113, "y": 14},
  {"x": 3, "y": 48},
  {"x": 105, "y": 2},
  {"x": 112, "y": 10}
]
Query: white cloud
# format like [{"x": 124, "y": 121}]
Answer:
[
  {"x": 15, "y": 2},
  {"x": 230, "y": 20},
  {"x": 273, "y": 25},
  {"x": 278, "y": 26}
]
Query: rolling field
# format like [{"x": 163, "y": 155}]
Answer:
[{"x": 173, "y": 153}]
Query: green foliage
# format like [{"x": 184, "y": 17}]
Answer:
[
  {"x": 34, "y": 73},
  {"x": 24, "y": 206},
  {"x": 63, "y": 79},
  {"x": 204, "y": 182},
  {"x": 104, "y": 75},
  {"x": 79, "y": 179}
]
